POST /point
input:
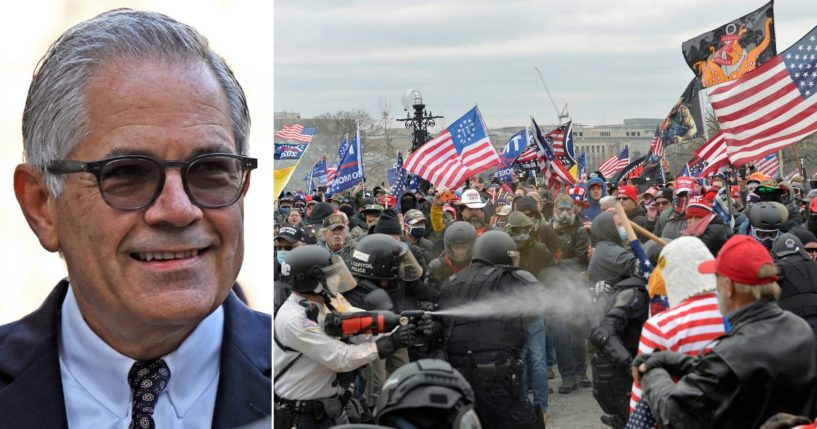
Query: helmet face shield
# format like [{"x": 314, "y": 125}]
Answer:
[
  {"x": 458, "y": 252},
  {"x": 338, "y": 277},
  {"x": 408, "y": 268}
]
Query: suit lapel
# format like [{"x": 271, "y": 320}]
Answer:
[
  {"x": 30, "y": 380},
  {"x": 244, "y": 388}
]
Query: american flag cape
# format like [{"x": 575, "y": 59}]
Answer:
[
  {"x": 771, "y": 106},
  {"x": 462, "y": 150}
]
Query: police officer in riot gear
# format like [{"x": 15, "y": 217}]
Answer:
[
  {"x": 307, "y": 390},
  {"x": 380, "y": 261},
  {"x": 615, "y": 339},
  {"x": 798, "y": 278},
  {"x": 458, "y": 244},
  {"x": 487, "y": 349},
  {"x": 428, "y": 394}
]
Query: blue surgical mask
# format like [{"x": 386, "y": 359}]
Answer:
[
  {"x": 622, "y": 233},
  {"x": 280, "y": 255},
  {"x": 284, "y": 210}
]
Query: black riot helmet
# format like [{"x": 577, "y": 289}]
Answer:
[
  {"x": 381, "y": 257},
  {"x": 496, "y": 248},
  {"x": 428, "y": 393},
  {"x": 459, "y": 242},
  {"x": 312, "y": 269}
]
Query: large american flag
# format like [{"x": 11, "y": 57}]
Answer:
[
  {"x": 460, "y": 151},
  {"x": 772, "y": 106},
  {"x": 714, "y": 153},
  {"x": 768, "y": 165},
  {"x": 296, "y": 133},
  {"x": 615, "y": 163}
]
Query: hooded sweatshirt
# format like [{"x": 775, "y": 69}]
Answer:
[
  {"x": 610, "y": 262},
  {"x": 595, "y": 206}
]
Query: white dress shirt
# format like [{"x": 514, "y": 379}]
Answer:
[{"x": 95, "y": 376}]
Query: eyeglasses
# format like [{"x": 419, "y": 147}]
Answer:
[
  {"x": 810, "y": 249},
  {"x": 133, "y": 182},
  {"x": 622, "y": 199},
  {"x": 662, "y": 203},
  {"x": 283, "y": 247}
]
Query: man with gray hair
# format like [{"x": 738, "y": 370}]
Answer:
[
  {"x": 136, "y": 135},
  {"x": 762, "y": 366}
]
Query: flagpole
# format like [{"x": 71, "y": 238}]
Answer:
[{"x": 729, "y": 173}]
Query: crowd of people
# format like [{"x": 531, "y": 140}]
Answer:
[{"x": 694, "y": 302}]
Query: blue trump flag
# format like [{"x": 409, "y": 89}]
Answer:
[
  {"x": 318, "y": 171},
  {"x": 350, "y": 168},
  {"x": 515, "y": 146}
]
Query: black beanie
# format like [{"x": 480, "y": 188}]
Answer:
[
  {"x": 321, "y": 211},
  {"x": 526, "y": 203},
  {"x": 387, "y": 223}
]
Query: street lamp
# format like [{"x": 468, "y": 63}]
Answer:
[{"x": 421, "y": 120}]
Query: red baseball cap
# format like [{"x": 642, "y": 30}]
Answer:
[
  {"x": 740, "y": 259},
  {"x": 629, "y": 191}
]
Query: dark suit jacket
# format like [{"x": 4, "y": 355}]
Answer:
[{"x": 31, "y": 393}]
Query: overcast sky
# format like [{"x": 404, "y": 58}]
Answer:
[{"x": 607, "y": 59}]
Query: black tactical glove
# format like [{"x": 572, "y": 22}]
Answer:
[
  {"x": 403, "y": 336},
  {"x": 427, "y": 327},
  {"x": 676, "y": 364}
]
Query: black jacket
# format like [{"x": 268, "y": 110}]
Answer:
[{"x": 763, "y": 366}]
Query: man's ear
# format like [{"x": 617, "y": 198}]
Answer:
[{"x": 37, "y": 205}]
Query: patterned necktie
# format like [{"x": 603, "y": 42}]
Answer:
[{"x": 147, "y": 381}]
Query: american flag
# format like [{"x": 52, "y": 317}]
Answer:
[
  {"x": 296, "y": 133},
  {"x": 460, "y": 151},
  {"x": 527, "y": 155},
  {"x": 552, "y": 168},
  {"x": 771, "y": 106},
  {"x": 615, "y": 163},
  {"x": 714, "y": 153},
  {"x": 400, "y": 182},
  {"x": 562, "y": 141},
  {"x": 657, "y": 145},
  {"x": 768, "y": 165}
]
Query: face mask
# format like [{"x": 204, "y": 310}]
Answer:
[
  {"x": 280, "y": 255},
  {"x": 417, "y": 232},
  {"x": 564, "y": 219},
  {"x": 622, "y": 233},
  {"x": 284, "y": 210}
]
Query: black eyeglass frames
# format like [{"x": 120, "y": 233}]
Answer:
[{"x": 133, "y": 182}]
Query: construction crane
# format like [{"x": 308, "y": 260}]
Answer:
[{"x": 560, "y": 115}]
